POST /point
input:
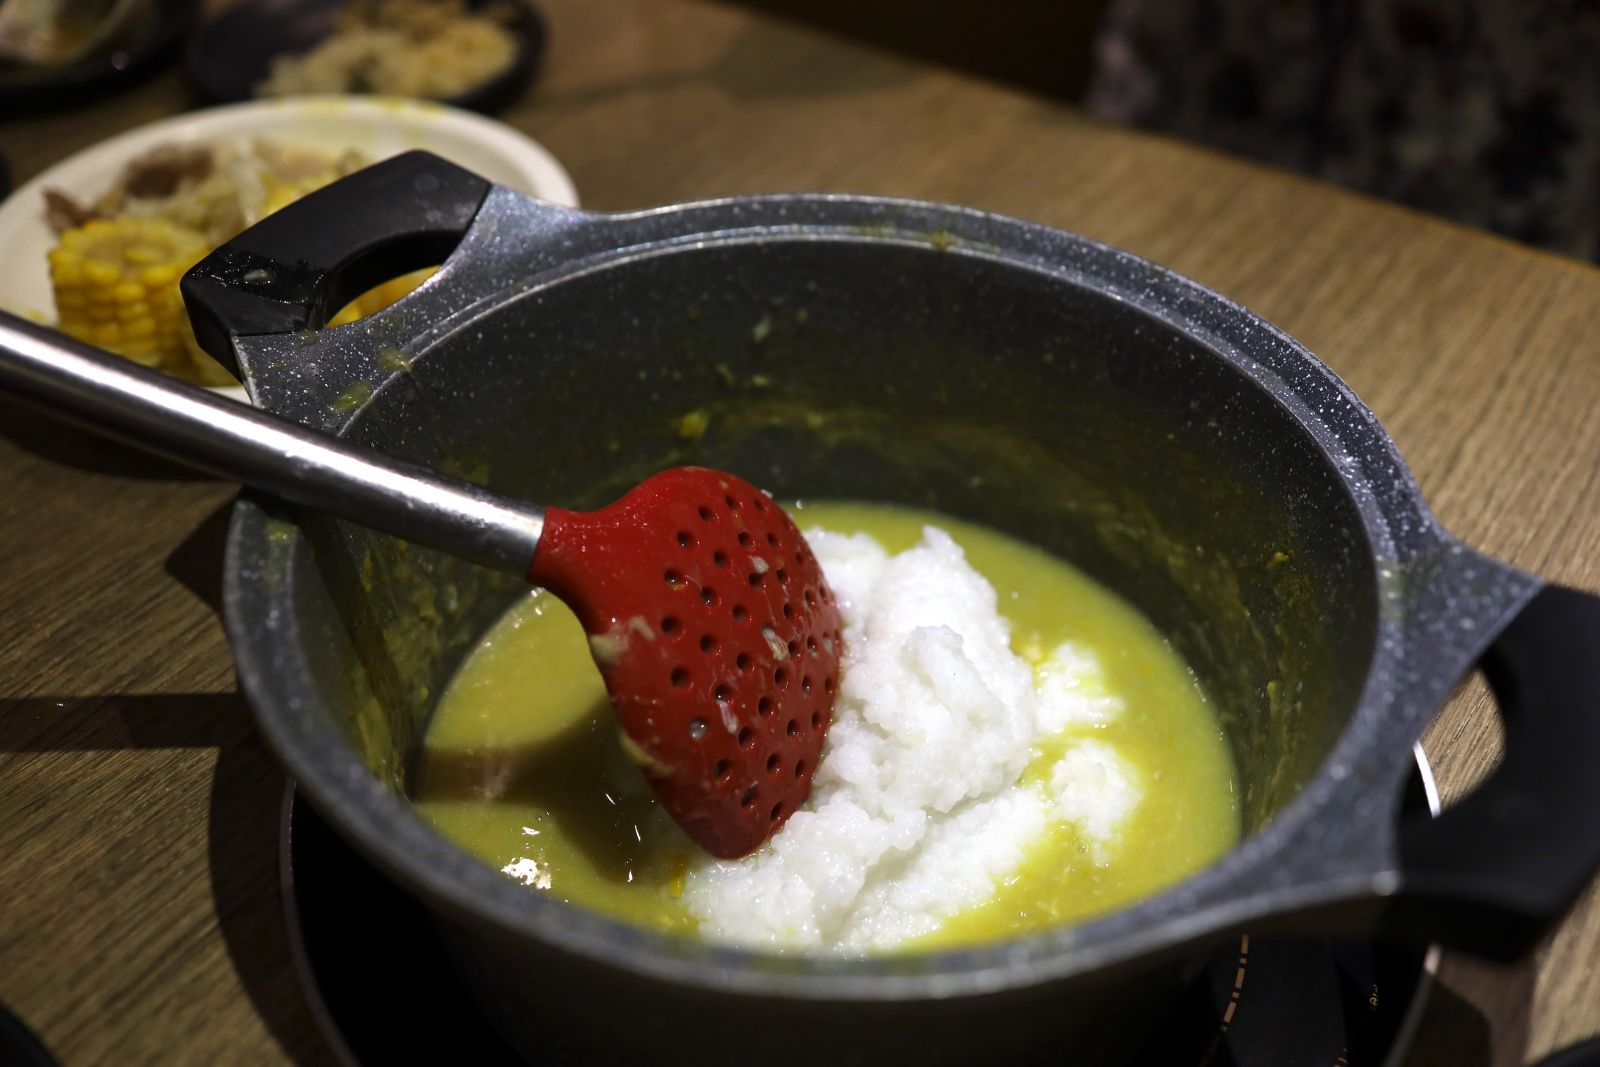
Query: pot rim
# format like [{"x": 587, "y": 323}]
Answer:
[{"x": 1402, "y": 685}]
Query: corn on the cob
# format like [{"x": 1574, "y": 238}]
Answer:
[
  {"x": 381, "y": 296},
  {"x": 116, "y": 286}
]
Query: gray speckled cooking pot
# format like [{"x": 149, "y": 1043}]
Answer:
[{"x": 1171, "y": 443}]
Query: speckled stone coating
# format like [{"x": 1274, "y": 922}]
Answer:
[{"x": 539, "y": 302}]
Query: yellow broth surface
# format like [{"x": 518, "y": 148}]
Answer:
[{"x": 522, "y": 764}]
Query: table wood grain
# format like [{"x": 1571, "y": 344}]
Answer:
[{"x": 139, "y": 907}]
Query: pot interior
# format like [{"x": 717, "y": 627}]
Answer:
[{"x": 886, "y": 371}]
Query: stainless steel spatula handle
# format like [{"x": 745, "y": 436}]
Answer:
[{"x": 112, "y": 396}]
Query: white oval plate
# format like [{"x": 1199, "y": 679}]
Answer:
[{"x": 376, "y": 126}]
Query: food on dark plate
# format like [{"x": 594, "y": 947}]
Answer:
[
  {"x": 436, "y": 49},
  {"x": 52, "y": 33}
]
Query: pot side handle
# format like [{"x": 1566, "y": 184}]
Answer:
[
  {"x": 296, "y": 267},
  {"x": 1494, "y": 872}
]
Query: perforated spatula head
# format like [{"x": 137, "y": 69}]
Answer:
[{"x": 718, "y": 639}]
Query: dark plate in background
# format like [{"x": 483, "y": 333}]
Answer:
[
  {"x": 146, "y": 46},
  {"x": 230, "y": 54}
]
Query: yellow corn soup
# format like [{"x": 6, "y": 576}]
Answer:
[{"x": 522, "y": 761}]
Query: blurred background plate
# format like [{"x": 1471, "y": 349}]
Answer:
[
  {"x": 377, "y": 127},
  {"x": 148, "y": 44},
  {"x": 233, "y": 52}
]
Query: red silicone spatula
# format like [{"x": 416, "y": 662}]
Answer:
[
  {"x": 718, "y": 639},
  {"x": 708, "y": 615}
]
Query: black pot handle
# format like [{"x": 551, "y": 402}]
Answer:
[
  {"x": 1495, "y": 871},
  {"x": 296, "y": 267}
]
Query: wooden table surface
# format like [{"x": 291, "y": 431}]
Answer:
[{"x": 139, "y": 907}]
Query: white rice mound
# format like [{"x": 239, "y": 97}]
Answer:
[{"x": 917, "y": 810}]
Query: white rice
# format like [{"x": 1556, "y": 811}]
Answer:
[{"x": 917, "y": 811}]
